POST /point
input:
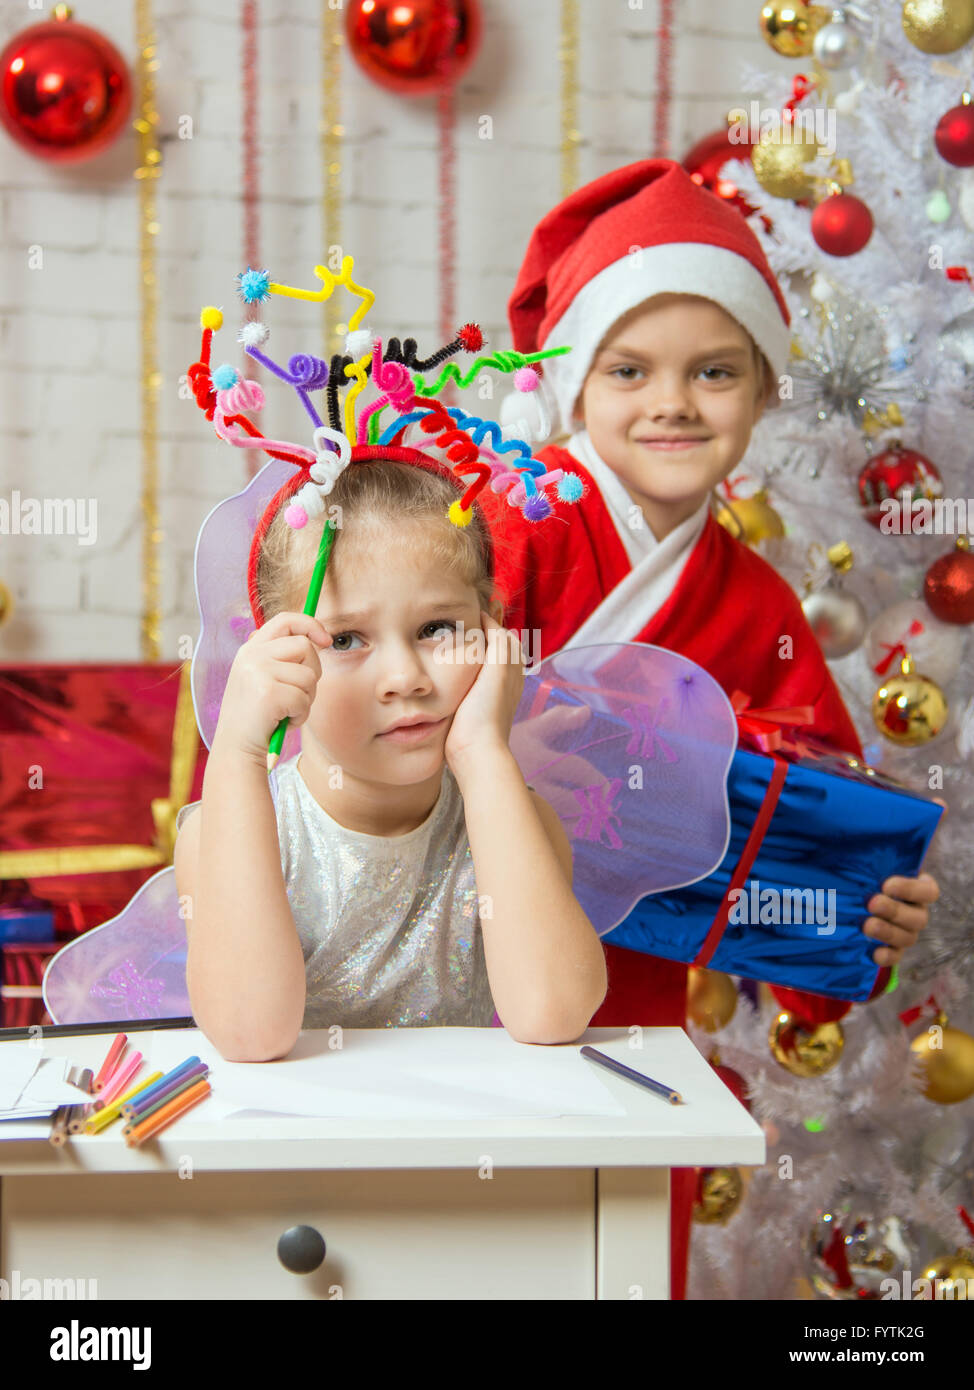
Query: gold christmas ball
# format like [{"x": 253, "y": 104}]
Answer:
[
  {"x": 947, "y": 1055},
  {"x": 751, "y": 519},
  {"x": 6, "y": 604},
  {"x": 938, "y": 26},
  {"x": 719, "y": 1193},
  {"x": 805, "y": 1053},
  {"x": 790, "y": 26},
  {"x": 952, "y": 1276},
  {"x": 711, "y": 998},
  {"x": 779, "y": 160},
  {"x": 909, "y": 709}
]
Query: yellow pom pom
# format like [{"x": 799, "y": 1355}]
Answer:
[
  {"x": 458, "y": 516},
  {"x": 211, "y": 318}
]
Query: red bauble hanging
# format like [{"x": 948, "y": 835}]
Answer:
[
  {"x": 707, "y": 165},
  {"x": 734, "y": 1083},
  {"x": 65, "y": 91},
  {"x": 902, "y": 474},
  {"x": 949, "y": 585},
  {"x": 414, "y": 48},
  {"x": 842, "y": 224},
  {"x": 954, "y": 136}
]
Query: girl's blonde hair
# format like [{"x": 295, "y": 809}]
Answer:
[{"x": 376, "y": 496}]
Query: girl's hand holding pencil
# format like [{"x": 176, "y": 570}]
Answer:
[{"x": 274, "y": 677}]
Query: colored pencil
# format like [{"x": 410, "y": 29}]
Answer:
[
  {"x": 77, "y": 1121},
  {"x": 99, "y": 1119},
  {"x": 174, "y": 1089},
  {"x": 86, "y": 1079},
  {"x": 80, "y": 1030},
  {"x": 59, "y": 1126},
  {"x": 647, "y": 1082},
  {"x": 164, "y": 1117},
  {"x": 110, "y": 1062},
  {"x": 119, "y": 1080},
  {"x": 151, "y": 1094},
  {"x": 310, "y": 608}
]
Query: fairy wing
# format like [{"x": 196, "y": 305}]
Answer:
[
  {"x": 631, "y": 744},
  {"x": 222, "y": 553}
]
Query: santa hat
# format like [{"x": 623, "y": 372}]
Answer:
[{"x": 639, "y": 231}]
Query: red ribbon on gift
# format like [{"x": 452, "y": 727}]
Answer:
[
  {"x": 909, "y": 1016},
  {"x": 897, "y": 649},
  {"x": 763, "y": 726}
]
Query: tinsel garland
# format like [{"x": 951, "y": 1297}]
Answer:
[
  {"x": 569, "y": 96},
  {"x": 332, "y": 137},
  {"x": 250, "y": 167},
  {"x": 664, "y": 61},
  {"x": 146, "y": 172}
]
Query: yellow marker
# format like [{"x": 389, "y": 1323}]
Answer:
[{"x": 110, "y": 1112}]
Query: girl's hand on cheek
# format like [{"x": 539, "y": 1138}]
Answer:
[{"x": 485, "y": 715}]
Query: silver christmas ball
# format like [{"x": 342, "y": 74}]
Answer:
[
  {"x": 837, "y": 618},
  {"x": 837, "y": 45}
]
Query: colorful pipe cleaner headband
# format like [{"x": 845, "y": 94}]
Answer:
[{"x": 344, "y": 437}]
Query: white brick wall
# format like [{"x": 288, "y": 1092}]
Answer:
[{"x": 69, "y": 331}]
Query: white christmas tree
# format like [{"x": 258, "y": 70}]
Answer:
[{"x": 865, "y": 1173}]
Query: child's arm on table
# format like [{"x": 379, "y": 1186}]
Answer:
[
  {"x": 245, "y": 968},
  {"x": 545, "y": 961}
]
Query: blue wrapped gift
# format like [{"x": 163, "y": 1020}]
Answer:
[
  {"x": 836, "y": 830},
  {"x": 687, "y": 846}
]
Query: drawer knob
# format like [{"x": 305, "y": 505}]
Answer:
[{"x": 301, "y": 1249}]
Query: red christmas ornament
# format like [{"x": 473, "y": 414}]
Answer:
[
  {"x": 842, "y": 224},
  {"x": 734, "y": 1083},
  {"x": 65, "y": 91},
  {"x": 707, "y": 165},
  {"x": 414, "y": 48},
  {"x": 949, "y": 585},
  {"x": 954, "y": 136},
  {"x": 902, "y": 474}
]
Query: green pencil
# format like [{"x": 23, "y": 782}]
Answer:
[{"x": 310, "y": 607}]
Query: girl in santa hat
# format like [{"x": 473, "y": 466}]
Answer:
[{"x": 679, "y": 333}]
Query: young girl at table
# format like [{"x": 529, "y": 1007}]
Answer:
[
  {"x": 398, "y": 871},
  {"x": 679, "y": 332}
]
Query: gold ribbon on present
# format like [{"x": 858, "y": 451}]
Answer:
[{"x": 96, "y": 859}]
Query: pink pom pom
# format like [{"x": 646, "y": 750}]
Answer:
[
  {"x": 526, "y": 379},
  {"x": 295, "y": 516}
]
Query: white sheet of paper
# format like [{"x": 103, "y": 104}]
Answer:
[
  {"x": 18, "y": 1063},
  {"x": 401, "y": 1073}
]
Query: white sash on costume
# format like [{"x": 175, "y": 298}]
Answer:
[{"x": 656, "y": 565}]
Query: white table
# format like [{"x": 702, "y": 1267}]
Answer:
[{"x": 442, "y": 1207}]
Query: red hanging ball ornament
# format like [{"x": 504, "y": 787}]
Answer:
[
  {"x": 842, "y": 224},
  {"x": 954, "y": 136},
  {"x": 415, "y": 48},
  {"x": 901, "y": 474},
  {"x": 65, "y": 91},
  {"x": 711, "y": 165},
  {"x": 949, "y": 585},
  {"x": 734, "y": 1082}
]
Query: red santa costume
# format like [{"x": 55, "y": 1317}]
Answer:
[{"x": 639, "y": 231}]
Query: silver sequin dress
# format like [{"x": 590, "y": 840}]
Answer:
[{"x": 389, "y": 927}]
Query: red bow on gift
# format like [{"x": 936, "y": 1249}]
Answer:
[{"x": 763, "y": 725}]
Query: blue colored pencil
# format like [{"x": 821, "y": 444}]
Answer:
[
  {"x": 657, "y": 1087},
  {"x": 145, "y": 1097}
]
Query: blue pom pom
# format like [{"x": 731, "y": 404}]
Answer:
[
  {"x": 537, "y": 508},
  {"x": 224, "y": 377},
  {"x": 253, "y": 285},
  {"x": 570, "y": 487}
]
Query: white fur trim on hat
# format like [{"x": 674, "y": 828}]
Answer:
[{"x": 691, "y": 267}]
